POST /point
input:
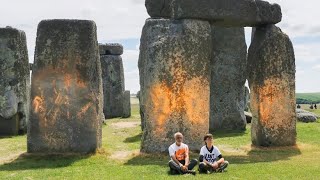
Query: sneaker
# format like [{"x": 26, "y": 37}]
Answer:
[
  {"x": 223, "y": 166},
  {"x": 193, "y": 172}
]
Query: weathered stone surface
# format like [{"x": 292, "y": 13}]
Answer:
[
  {"x": 66, "y": 93},
  {"x": 113, "y": 85},
  {"x": 306, "y": 116},
  {"x": 229, "y": 60},
  {"x": 111, "y": 49},
  {"x": 14, "y": 82},
  {"x": 246, "y": 98},
  {"x": 174, "y": 66},
  {"x": 141, "y": 108},
  {"x": 159, "y": 8},
  {"x": 228, "y": 12},
  {"x": 126, "y": 104},
  {"x": 272, "y": 83}
]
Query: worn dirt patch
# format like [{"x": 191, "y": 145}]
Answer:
[
  {"x": 10, "y": 158},
  {"x": 123, "y": 155},
  {"x": 121, "y": 125}
]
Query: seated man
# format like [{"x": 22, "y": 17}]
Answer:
[
  {"x": 179, "y": 153},
  {"x": 211, "y": 159}
]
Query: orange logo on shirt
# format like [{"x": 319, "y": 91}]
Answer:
[{"x": 180, "y": 154}]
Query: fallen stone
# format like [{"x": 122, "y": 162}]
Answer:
[
  {"x": 66, "y": 93},
  {"x": 126, "y": 105},
  {"x": 14, "y": 82},
  {"x": 111, "y": 49},
  {"x": 113, "y": 85},
  {"x": 227, "y": 12},
  {"x": 229, "y": 60},
  {"x": 271, "y": 62},
  {"x": 306, "y": 116},
  {"x": 174, "y": 66}
]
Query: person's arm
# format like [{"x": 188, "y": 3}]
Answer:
[
  {"x": 176, "y": 160},
  {"x": 173, "y": 156},
  {"x": 187, "y": 157},
  {"x": 202, "y": 159},
  {"x": 221, "y": 159}
]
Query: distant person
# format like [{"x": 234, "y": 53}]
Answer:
[
  {"x": 315, "y": 106},
  {"x": 179, "y": 154},
  {"x": 298, "y": 106},
  {"x": 211, "y": 160},
  {"x": 311, "y": 107}
]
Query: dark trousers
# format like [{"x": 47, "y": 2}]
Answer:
[
  {"x": 175, "y": 168},
  {"x": 203, "y": 167}
]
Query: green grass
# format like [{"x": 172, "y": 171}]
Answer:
[{"x": 119, "y": 157}]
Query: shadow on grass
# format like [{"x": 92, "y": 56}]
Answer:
[
  {"x": 260, "y": 155},
  {"x": 29, "y": 161},
  {"x": 222, "y": 134},
  {"x": 255, "y": 155},
  {"x": 10, "y": 136},
  {"x": 149, "y": 159},
  {"x": 133, "y": 139}
]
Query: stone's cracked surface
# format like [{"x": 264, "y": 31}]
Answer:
[
  {"x": 113, "y": 85},
  {"x": 111, "y": 49},
  {"x": 228, "y": 67},
  {"x": 174, "y": 67},
  {"x": 14, "y": 82},
  {"x": 67, "y": 96},
  {"x": 218, "y": 12},
  {"x": 271, "y": 63}
]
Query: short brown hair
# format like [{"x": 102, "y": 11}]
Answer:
[{"x": 207, "y": 136}]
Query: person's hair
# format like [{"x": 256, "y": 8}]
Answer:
[
  {"x": 207, "y": 136},
  {"x": 177, "y": 134}
]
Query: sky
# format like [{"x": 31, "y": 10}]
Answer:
[{"x": 122, "y": 21}]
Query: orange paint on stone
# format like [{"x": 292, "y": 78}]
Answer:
[
  {"x": 84, "y": 109},
  {"x": 190, "y": 102},
  {"x": 37, "y": 104},
  {"x": 67, "y": 81},
  {"x": 272, "y": 107}
]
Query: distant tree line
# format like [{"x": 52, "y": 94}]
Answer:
[{"x": 306, "y": 101}]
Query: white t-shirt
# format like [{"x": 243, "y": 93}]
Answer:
[
  {"x": 210, "y": 155},
  {"x": 180, "y": 152}
]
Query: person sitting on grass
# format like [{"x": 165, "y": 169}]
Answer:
[
  {"x": 179, "y": 153},
  {"x": 211, "y": 159}
]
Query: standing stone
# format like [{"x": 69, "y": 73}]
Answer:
[
  {"x": 271, "y": 62},
  {"x": 228, "y": 12},
  {"x": 111, "y": 49},
  {"x": 66, "y": 90},
  {"x": 126, "y": 104},
  {"x": 229, "y": 59},
  {"x": 14, "y": 82},
  {"x": 113, "y": 85},
  {"x": 174, "y": 68}
]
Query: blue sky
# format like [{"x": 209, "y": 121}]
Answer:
[{"x": 122, "y": 21}]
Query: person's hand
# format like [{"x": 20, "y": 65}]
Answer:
[
  {"x": 184, "y": 168},
  {"x": 215, "y": 165}
]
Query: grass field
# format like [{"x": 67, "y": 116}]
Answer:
[{"x": 119, "y": 157}]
